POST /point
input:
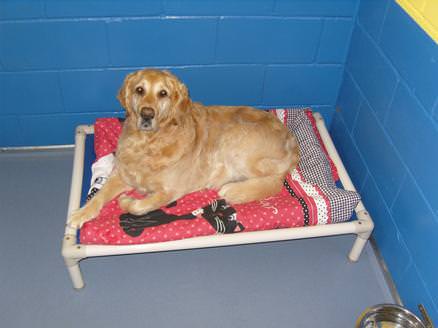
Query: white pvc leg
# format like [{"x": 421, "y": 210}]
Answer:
[
  {"x": 365, "y": 227},
  {"x": 75, "y": 273},
  {"x": 358, "y": 246}
]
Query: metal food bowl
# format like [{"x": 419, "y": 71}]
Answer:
[{"x": 388, "y": 316}]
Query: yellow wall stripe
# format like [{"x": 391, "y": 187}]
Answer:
[{"x": 425, "y": 13}]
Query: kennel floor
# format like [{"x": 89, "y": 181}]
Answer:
[{"x": 298, "y": 283}]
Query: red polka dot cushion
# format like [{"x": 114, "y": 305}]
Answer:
[{"x": 309, "y": 197}]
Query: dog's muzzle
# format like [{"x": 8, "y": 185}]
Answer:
[{"x": 147, "y": 114}]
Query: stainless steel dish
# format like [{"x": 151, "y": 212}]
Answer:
[{"x": 389, "y": 316}]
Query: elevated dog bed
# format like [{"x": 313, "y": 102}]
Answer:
[{"x": 311, "y": 203}]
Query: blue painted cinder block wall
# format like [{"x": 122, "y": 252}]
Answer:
[
  {"x": 62, "y": 62},
  {"x": 386, "y": 129}
]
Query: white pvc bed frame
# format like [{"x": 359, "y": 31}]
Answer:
[{"x": 73, "y": 252}]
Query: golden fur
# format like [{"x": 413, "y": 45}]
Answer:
[{"x": 170, "y": 146}]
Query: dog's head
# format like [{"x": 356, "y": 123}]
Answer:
[{"x": 153, "y": 98}]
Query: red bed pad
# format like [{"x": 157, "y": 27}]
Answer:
[{"x": 201, "y": 213}]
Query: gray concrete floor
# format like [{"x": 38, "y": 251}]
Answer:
[{"x": 301, "y": 283}]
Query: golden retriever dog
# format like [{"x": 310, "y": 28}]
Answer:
[{"x": 171, "y": 146}]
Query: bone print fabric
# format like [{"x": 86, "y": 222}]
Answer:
[{"x": 309, "y": 197}]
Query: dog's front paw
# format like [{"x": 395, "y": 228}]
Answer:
[
  {"x": 79, "y": 217},
  {"x": 233, "y": 194},
  {"x": 135, "y": 206},
  {"x": 228, "y": 193},
  {"x": 125, "y": 202}
]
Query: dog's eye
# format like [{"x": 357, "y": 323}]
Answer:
[
  {"x": 162, "y": 93},
  {"x": 139, "y": 90}
]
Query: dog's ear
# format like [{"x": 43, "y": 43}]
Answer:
[
  {"x": 184, "y": 103},
  {"x": 124, "y": 93},
  {"x": 121, "y": 96},
  {"x": 182, "y": 99}
]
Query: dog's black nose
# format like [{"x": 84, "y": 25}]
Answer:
[{"x": 147, "y": 113}]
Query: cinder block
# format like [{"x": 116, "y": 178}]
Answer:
[
  {"x": 22, "y": 9},
  {"x": 371, "y": 16},
  {"x": 418, "y": 226},
  {"x": 414, "y": 54},
  {"x": 379, "y": 153},
  {"x": 415, "y": 135},
  {"x": 218, "y": 7},
  {"x": 57, "y": 129},
  {"x": 413, "y": 290},
  {"x": 348, "y": 151},
  {"x": 99, "y": 8},
  {"x": 334, "y": 8},
  {"x": 224, "y": 85},
  {"x": 92, "y": 91},
  {"x": 372, "y": 71},
  {"x": 388, "y": 237},
  {"x": 349, "y": 100},
  {"x": 10, "y": 132},
  {"x": 435, "y": 111},
  {"x": 335, "y": 40},
  {"x": 267, "y": 40},
  {"x": 30, "y": 93},
  {"x": 295, "y": 85},
  {"x": 162, "y": 41},
  {"x": 55, "y": 44}
]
